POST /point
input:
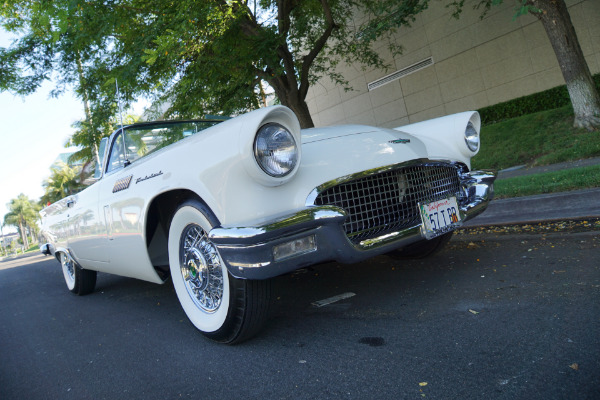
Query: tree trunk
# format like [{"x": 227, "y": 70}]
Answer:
[
  {"x": 556, "y": 20},
  {"x": 86, "y": 107},
  {"x": 23, "y": 234},
  {"x": 300, "y": 108},
  {"x": 293, "y": 100}
]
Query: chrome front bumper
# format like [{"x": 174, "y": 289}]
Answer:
[
  {"x": 248, "y": 252},
  {"x": 46, "y": 249}
]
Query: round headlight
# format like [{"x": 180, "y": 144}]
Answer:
[
  {"x": 472, "y": 137},
  {"x": 275, "y": 150}
]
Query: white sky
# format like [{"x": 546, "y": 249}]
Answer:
[
  {"x": 32, "y": 134},
  {"x": 33, "y": 131}
]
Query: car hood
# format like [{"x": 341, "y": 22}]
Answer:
[
  {"x": 368, "y": 146},
  {"x": 333, "y": 132},
  {"x": 331, "y": 153},
  {"x": 358, "y": 133}
]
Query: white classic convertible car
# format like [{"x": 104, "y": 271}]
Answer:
[{"x": 221, "y": 207}]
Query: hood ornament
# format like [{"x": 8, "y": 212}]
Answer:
[{"x": 403, "y": 141}]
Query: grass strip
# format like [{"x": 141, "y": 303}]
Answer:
[
  {"x": 33, "y": 248},
  {"x": 543, "y": 138},
  {"x": 548, "y": 182}
]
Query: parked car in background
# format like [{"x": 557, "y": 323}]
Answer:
[{"x": 222, "y": 206}]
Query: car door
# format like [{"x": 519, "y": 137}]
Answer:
[
  {"x": 87, "y": 239},
  {"x": 122, "y": 209}
]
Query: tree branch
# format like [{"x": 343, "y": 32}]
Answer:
[
  {"x": 284, "y": 10},
  {"x": 308, "y": 59}
]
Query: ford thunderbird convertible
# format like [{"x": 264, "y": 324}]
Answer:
[{"x": 222, "y": 206}]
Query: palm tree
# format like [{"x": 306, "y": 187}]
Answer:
[
  {"x": 63, "y": 182},
  {"x": 22, "y": 214},
  {"x": 87, "y": 137}
]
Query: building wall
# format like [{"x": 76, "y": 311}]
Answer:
[{"x": 476, "y": 63}]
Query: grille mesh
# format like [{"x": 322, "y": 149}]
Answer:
[{"x": 388, "y": 201}]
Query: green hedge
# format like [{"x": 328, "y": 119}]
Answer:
[{"x": 546, "y": 100}]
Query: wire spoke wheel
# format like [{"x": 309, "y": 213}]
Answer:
[
  {"x": 224, "y": 308},
  {"x": 201, "y": 268}
]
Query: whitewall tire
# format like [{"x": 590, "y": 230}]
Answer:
[
  {"x": 79, "y": 281},
  {"x": 224, "y": 308}
]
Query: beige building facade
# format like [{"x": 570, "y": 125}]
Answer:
[{"x": 451, "y": 65}]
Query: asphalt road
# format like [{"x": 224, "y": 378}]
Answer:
[{"x": 490, "y": 317}]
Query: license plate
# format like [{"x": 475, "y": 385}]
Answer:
[{"x": 439, "y": 217}]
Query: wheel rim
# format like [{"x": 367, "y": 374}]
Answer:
[
  {"x": 68, "y": 267},
  {"x": 201, "y": 268}
]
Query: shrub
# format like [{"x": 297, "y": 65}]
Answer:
[{"x": 546, "y": 100}]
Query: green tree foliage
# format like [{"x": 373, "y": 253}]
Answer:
[
  {"x": 88, "y": 137},
  {"x": 198, "y": 57},
  {"x": 64, "y": 181},
  {"x": 52, "y": 44},
  {"x": 23, "y": 214}
]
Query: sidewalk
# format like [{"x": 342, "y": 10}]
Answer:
[
  {"x": 522, "y": 170},
  {"x": 19, "y": 256},
  {"x": 577, "y": 204}
]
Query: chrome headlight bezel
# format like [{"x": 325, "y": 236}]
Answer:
[
  {"x": 472, "y": 137},
  {"x": 275, "y": 150}
]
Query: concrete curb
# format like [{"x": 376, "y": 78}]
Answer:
[{"x": 577, "y": 204}]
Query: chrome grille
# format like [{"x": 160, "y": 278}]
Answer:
[{"x": 388, "y": 201}]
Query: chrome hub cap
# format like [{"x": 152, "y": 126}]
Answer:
[
  {"x": 68, "y": 266},
  {"x": 197, "y": 269},
  {"x": 201, "y": 268}
]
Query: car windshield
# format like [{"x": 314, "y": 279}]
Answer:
[
  {"x": 141, "y": 140},
  {"x": 98, "y": 161}
]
